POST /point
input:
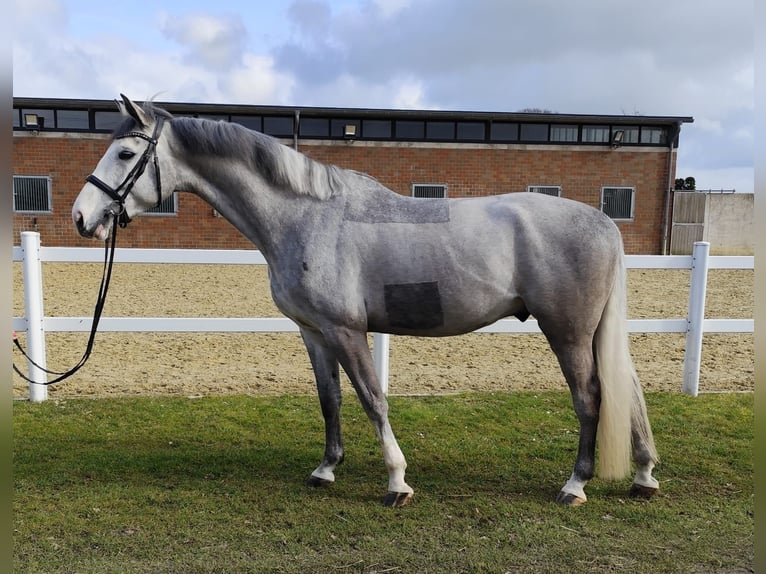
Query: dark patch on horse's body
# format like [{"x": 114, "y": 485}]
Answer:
[
  {"x": 305, "y": 266},
  {"x": 394, "y": 208},
  {"x": 414, "y": 306}
]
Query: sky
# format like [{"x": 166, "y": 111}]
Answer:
[{"x": 654, "y": 57}]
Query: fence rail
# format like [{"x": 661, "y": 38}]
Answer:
[{"x": 36, "y": 324}]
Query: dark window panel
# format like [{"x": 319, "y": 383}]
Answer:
[
  {"x": 534, "y": 132},
  {"x": 107, "y": 120},
  {"x": 376, "y": 129},
  {"x": 471, "y": 131},
  {"x": 72, "y": 119},
  {"x": 250, "y": 122},
  {"x": 314, "y": 127},
  {"x": 278, "y": 126},
  {"x": 410, "y": 130},
  {"x": 440, "y": 130},
  {"x": 504, "y": 131}
]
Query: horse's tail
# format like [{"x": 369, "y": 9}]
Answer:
[{"x": 622, "y": 400}]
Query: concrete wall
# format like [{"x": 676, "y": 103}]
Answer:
[
  {"x": 729, "y": 223},
  {"x": 725, "y": 220}
]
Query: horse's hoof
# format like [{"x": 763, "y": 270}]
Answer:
[
  {"x": 316, "y": 482},
  {"x": 568, "y": 499},
  {"x": 641, "y": 491},
  {"x": 397, "y": 499}
]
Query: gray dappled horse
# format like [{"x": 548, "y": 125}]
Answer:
[{"x": 347, "y": 256}]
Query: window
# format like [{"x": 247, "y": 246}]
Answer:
[
  {"x": 167, "y": 207},
  {"x": 630, "y": 134},
  {"x": 72, "y": 119},
  {"x": 534, "y": 132},
  {"x": 108, "y": 120},
  {"x": 410, "y": 130},
  {"x": 554, "y": 190},
  {"x": 278, "y": 126},
  {"x": 380, "y": 129},
  {"x": 314, "y": 127},
  {"x": 504, "y": 131},
  {"x": 31, "y": 194},
  {"x": 440, "y": 130},
  {"x": 656, "y": 136},
  {"x": 617, "y": 202},
  {"x": 429, "y": 190},
  {"x": 596, "y": 134},
  {"x": 470, "y": 130},
  {"x": 250, "y": 122},
  {"x": 563, "y": 133}
]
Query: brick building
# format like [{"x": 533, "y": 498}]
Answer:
[{"x": 624, "y": 165}]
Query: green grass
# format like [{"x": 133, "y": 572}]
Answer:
[{"x": 172, "y": 485}]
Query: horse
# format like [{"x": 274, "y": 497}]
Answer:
[{"x": 347, "y": 256}]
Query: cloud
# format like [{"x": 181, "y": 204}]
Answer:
[
  {"x": 214, "y": 42},
  {"x": 595, "y": 57},
  {"x": 685, "y": 57}
]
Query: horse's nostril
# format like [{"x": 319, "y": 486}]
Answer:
[{"x": 79, "y": 222}]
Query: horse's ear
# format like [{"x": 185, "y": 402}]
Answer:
[{"x": 127, "y": 107}]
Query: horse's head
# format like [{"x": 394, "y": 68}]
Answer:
[{"x": 127, "y": 179}]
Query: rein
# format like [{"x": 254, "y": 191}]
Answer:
[
  {"x": 121, "y": 219},
  {"x": 100, "y": 301}
]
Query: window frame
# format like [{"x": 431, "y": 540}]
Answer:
[
  {"x": 414, "y": 187},
  {"x": 632, "y": 191},
  {"x": 156, "y": 211},
  {"x": 48, "y": 199}
]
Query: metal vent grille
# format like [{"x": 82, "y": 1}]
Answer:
[
  {"x": 429, "y": 190},
  {"x": 617, "y": 202},
  {"x": 167, "y": 207},
  {"x": 554, "y": 190},
  {"x": 31, "y": 194}
]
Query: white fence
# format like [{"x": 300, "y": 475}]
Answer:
[{"x": 36, "y": 324}]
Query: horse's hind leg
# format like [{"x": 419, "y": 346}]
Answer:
[
  {"x": 644, "y": 453},
  {"x": 355, "y": 357},
  {"x": 325, "y": 365},
  {"x": 579, "y": 369}
]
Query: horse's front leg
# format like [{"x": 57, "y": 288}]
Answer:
[
  {"x": 355, "y": 357},
  {"x": 325, "y": 365}
]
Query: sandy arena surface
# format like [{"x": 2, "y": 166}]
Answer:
[{"x": 211, "y": 363}]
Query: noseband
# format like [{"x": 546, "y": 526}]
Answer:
[{"x": 130, "y": 180}]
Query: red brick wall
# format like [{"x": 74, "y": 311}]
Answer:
[{"x": 467, "y": 171}]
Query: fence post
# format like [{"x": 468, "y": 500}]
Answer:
[
  {"x": 696, "y": 318},
  {"x": 33, "y": 303},
  {"x": 380, "y": 349}
]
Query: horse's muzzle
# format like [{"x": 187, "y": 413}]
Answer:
[{"x": 99, "y": 231}]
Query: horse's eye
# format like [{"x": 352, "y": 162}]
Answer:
[{"x": 126, "y": 154}]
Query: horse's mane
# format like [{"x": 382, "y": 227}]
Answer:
[{"x": 278, "y": 164}]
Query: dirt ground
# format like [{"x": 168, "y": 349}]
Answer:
[{"x": 185, "y": 364}]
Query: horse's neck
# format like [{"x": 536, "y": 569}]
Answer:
[{"x": 259, "y": 211}]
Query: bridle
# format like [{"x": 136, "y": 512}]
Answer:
[
  {"x": 120, "y": 218},
  {"x": 130, "y": 180}
]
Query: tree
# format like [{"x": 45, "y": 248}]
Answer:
[{"x": 688, "y": 184}]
